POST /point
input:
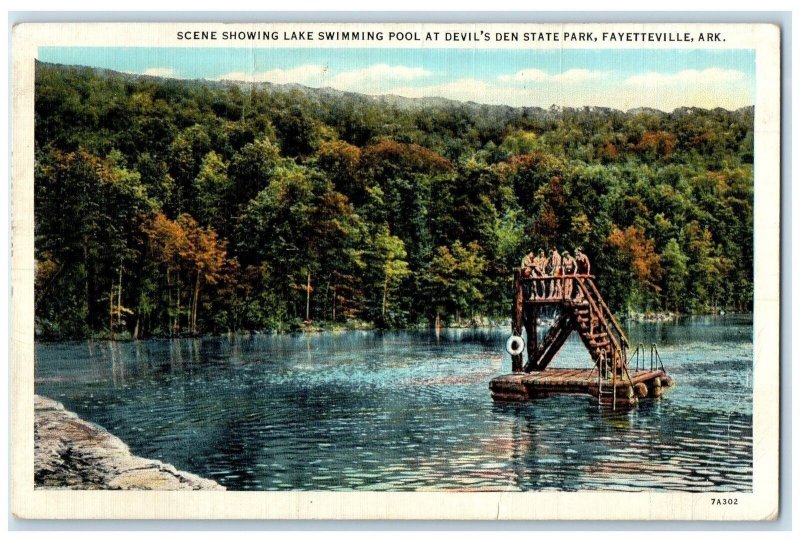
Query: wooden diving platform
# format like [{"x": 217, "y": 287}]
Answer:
[{"x": 580, "y": 309}]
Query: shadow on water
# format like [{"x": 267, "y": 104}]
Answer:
[{"x": 408, "y": 410}]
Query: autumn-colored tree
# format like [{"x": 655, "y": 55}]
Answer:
[
  {"x": 168, "y": 242},
  {"x": 658, "y": 144},
  {"x": 206, "y": 255},
  {"x": 340, "y": 161},
  {"x": 190, "y": 255},
  {"x": 389, "y": 158},
  {"x": 607, "y": 152},
  {"x": 638, "y": 257}
]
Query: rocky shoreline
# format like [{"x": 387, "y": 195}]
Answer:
[{"x": 70, "y": 453}]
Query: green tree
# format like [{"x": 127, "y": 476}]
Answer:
[
  {"x": 213, "y": 188},
  {"x": 186, "y": 155},
  {"x": 390, "y": 251},
  {"x": 454, "y": 278},
  {"x": 674, "y": 264},
  {"x": 251, "y": 168}
]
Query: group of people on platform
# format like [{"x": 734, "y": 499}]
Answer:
[{"x": 556, "y": 265}]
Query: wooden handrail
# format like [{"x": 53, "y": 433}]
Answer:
[
  {"x": 611, "y": 314},
  {"x": 594, "y": 307},
  {"x": 618, "y": 328},
  {"x": 553, "y": 277},
  {"x": 544, "y": 282}
]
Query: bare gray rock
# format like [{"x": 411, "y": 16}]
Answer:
[{"x": 70, "y": 453}]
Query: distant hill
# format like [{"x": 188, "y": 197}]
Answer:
[{"x": 391, "y": 100}]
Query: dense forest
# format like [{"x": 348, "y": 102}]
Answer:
[{"x": 167, "y": 207}]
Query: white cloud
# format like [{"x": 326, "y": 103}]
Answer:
[
  {"x": 606, "y": 93},
  {"x": 534, "y": 75},
  {"x": 709, "y": 88},
  {"x": 160, "y": 72},
  {"x": 686, "y": 77},
  {"x": 463, "y": 89},
  {"x": 307, "y": 74},
  {"x": 371, "y": 79},
  {"x": 376, "y": 74}
]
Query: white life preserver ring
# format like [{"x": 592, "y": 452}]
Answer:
[{"x": 515, "y": 345}]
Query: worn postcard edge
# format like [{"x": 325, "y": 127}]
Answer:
[{"x": 760, "y": 504}]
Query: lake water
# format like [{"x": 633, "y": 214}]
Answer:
[{"x": 412, "y": 411}]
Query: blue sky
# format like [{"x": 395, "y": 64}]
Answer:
[{"x": 624, "y": 79}]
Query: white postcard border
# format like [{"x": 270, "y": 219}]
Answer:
[{"x": 762, "y": 503}]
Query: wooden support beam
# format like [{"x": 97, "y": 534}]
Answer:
[
  {"x": 516, "y": 320},
  {"x": 551, "y": 346},
  {"x": 530, "y": 316}
]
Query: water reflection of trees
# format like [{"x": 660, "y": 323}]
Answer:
[{"x": 546, "y": 449}]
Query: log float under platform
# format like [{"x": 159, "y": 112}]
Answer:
[{"x": 525, "y": 386}]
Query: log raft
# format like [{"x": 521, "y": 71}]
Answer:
[
  {"x": 581, "y": 309},
  {"x": 532, "y": 385}
]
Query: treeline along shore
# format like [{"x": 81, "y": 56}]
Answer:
[{"x": 168, "y": 207}]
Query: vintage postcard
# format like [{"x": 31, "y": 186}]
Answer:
[{"x": 396, "y": 271}]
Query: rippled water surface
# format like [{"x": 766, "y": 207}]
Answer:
[{"x": 411, "y": 411}]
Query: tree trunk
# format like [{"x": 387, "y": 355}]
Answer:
[
  {"x": 178, "y": 306},
  {"x": 111, "y": 311},
  {"x": 119, "y": 300},
  {"x": 195, "y": 301},
  {"x": 170, "y": 322},
  {"x": 334, "y": 304},
  {"x": 88, "y": 284},
  {"x": 308, "y": 297},
  {"x": 385, "y": 295}
]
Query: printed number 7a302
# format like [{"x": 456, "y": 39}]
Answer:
[{"x": 715, "y": 501}]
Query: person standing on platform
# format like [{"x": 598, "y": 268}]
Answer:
[
  {"x": 527, "y": 265},
  {"x": 526, "y": 271},
  {"x": 539, "y": 267},
  {"x": 568, "y": 267},
  {"x": 554, "y": 270},
  {"x": 582, "y": 262},
  {"x": 583, "y": 268}
]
